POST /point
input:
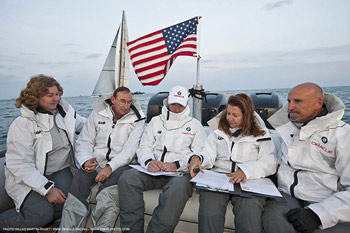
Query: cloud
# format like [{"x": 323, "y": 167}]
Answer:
[
  {"x": 54, "y": 64},
  {"x": 10, "y": 78},
  {"x": 93, "y": 55},
  {"x": 278, "y": 4},
  {"x": 318, "y": 55},
  {"x": 71, "y": 45},
  {"x": 207, "y": 61}
]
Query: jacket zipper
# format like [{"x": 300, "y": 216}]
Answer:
[
  {"x": 292, "y": 187},
  {"x": 163, "y": 154},
  {"x": 109, "y": 144},
  {"x": 233, "y": 165}
]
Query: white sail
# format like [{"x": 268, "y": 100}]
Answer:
[{"x": 107, "y": 82}]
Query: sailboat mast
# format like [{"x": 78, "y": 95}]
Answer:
[
  {"x": 197, "y": 102},
  {"x": 122, "y": 77},
  {"x": 119, "y": 77}
]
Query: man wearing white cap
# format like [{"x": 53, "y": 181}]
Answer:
[{"x": 167, "y": 144}]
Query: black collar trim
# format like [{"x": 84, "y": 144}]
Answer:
[{"x": 43, "y": 111}]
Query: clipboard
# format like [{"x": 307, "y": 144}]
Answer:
[{"x": 212, "y": 181}]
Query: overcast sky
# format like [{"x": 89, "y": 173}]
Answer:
[{"x": 245, "y": 44}]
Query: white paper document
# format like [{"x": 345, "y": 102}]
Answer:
[
  {"x": 213, "y": 180},
  {"x": 263, "y": 186},
  {"x": 160, "y": 173},
  {"x": 220, "y": 182}
]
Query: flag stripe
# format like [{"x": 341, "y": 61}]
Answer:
[
  {"x": 146, "y": 37},
  {"x": 147, "y": 51},
  {"x": 152, "y": 75},
  {"x": 149, "y": 63},
  {"x": 150, "y": 67},
  {"x": 150, "y": 58},
  {"x": 150, "y": 43}
]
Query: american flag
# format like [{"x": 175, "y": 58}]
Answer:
[{"x": 152, "y": 55}]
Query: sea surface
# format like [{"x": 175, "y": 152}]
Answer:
[{"x": 82, "y": 105}]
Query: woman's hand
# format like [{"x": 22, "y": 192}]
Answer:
[
  {"x": 237, "y": 176},
  {"x": 195, "y": 163}
]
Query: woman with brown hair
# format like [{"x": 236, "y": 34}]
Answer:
[
  {"x": 39, "y": 155},
  {"x": 240, "y": 146}
]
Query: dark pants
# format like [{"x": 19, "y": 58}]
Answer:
[
  {"x": 175, "y": 193},
  {"x": 212, "y": 210},
  {"x": 275, "y": 221},
  {"x": 82, "y": 182},
  {"x": 36, "y": 211}
]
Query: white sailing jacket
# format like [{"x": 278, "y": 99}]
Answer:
[
  {"x": 255, "y": 156},
  {"x": 316, "y": 168},
  {"x": 171, "y": 137},
  {"x": 28, "y": 142},
  {"x": 111, "y": 142}
]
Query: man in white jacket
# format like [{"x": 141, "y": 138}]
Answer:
[
  {"x": 105, "y": 147},
  {"x": 169, "y": 141},
  {"x": 314, "y": 173}
]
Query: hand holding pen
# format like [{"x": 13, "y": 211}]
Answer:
[
  {"x": 169, "y": 167},
  {"x": 154, "y": 166}
]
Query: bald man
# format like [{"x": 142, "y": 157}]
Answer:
[{"x": 314, "y": 173}]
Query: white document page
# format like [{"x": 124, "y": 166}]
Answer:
[
  {"x": 215, "y": 180},
  {"x": 263, "y": 186},
  {"x": 160, "y": 173}
]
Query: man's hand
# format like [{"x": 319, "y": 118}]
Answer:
[
  {"x": 237, "y": 176},
  {"x": 55, "y": 196},
  {"x": 169, "y": 167},
  {"x": 90, "y": 165},
  {"x": 104, "y": 174},
  {"x": 154, "y": 166},
  {"x": 303, "y": 220},
  {"x": 195, "y": 164}
]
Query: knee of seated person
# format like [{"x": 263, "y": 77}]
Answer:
[
  {"x": 42, "y": 218},
  {"x": 253, "y": 202},
  {"x": 79, "y": 178},
  {"x": 181, "y": 186},
  {"x": 128, "y": 177}
]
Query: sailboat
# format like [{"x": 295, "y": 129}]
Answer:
[{"x": 109, "y": 80}]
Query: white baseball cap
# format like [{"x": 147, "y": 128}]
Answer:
[{"x": 179, "y": 95}]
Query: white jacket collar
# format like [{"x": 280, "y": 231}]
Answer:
[
  {"x": 42, "y": 118},
  {"x": 174, "y": 120},
  {"x": 103, "y": 107},
  {"x": 335, "y": 109},
  {"x": 214, "y": 122}
]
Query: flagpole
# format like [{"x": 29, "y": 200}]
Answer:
[{"x": 197, "y": 102}]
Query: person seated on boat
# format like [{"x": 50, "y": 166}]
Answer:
[
  {"x": 314, "y": 172},
  {"x": 39, "y": 155},
  {"x": 241, "y": 146},
  {"x": 105, "y": 147},
  {"x": 166, "y": 145}
]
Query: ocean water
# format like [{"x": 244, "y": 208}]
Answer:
[{"x": 82, "y": 105}]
